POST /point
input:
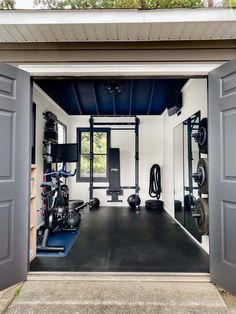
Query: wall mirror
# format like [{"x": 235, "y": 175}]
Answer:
[{"x": 186, "y": 157}]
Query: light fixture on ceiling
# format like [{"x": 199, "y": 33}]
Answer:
[{"x": 114, "y": 87}]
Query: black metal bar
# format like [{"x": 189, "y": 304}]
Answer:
[
  {"x": 91, "y": 159},
  {"x": 122, "y": 129},
  {"x": 186, "y": 188},
  {"x": 107, "y": 187},
  {"x": 190, "y": 158},
  {"x": 136, "y": 129},
  {"x": 114, "y": 103},
  {"x": 100, "y": 187},
  {"x": 137, "y": 122},
  {"x": 127, "y": 187},
  {"x": 113, "y": 123},
  {"x": 112, "y": 116},
  {"x": 77, "y": 99}
]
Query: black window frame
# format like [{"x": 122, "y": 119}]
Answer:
[{"x": 95, "y": 179}]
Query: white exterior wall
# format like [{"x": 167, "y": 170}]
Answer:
[
  {"x": 150, "y": 153},
  {"x": 194, "y": 99},
  {"x": 43, "y": 103}
]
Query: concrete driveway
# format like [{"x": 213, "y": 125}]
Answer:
[{"x": 120, "y": 293}]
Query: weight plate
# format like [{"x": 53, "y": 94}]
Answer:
[
  {"x": 154, "y": 205},
  {"x": 201, "y": 176},
  {"x": 202, "y": 136},
  {"x": 201, "y": 215}
]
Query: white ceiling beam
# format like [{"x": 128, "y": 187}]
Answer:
[{"x": 121, "y": 69}]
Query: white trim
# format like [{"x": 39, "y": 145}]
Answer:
[
  {"x": 120, "y": 276},
  {"x": 121, "y": 69},
  {"x": 186, "y": 85},
  {"x": 53, "y": 17}
]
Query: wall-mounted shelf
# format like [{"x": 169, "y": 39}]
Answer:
[{"x": 33, "y": 227}]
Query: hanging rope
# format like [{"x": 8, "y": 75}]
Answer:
[{"x": 155, "y": 181}]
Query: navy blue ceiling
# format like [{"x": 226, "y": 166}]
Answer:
[{"x": 91, "y": 96}]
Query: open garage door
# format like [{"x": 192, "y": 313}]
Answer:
[
  {"x": 14, "y": 174},
  {"x": 222, "y": 175}
]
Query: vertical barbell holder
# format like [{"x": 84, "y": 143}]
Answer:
[
  {"x": 137, "y": 123},
  {"x": 91, "y": 121}
]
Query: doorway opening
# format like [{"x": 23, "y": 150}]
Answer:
[{"x": 116, "y": 237}]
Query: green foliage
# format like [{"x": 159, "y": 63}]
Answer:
[
  {"x": 229, "y": 3},
  {"x": 17, "y": 292},
  {"x": 162, "y": 4},
  {"x": 66, "y": 4},
  {"x": 169, "y": 4},
  {"x": 7, "y": 4},
  {"x": 100, "y": 151},
  {"x": 118, "y": 4}
]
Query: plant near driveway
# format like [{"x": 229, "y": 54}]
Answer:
[
  {"x": 118, "y": 4},
  {"x": 7, "y": 4}
]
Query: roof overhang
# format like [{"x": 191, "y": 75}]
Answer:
[
  {"x": 117, "y": 25},
  {"x": 149, "y": 69}
]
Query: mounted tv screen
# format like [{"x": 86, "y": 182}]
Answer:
[{"x": 64, "y": 152}]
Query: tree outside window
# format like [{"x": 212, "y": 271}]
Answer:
[
  {"x": 101, "y": 144},
  {"x": 61, "y": 131}
]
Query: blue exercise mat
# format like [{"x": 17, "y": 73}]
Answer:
[{"x": 66, "y": 239}]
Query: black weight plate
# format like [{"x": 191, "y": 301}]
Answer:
[
  {"x": 202, "y": 168},
  {"x": 201, "y": 208},
  {"x": 203, "y": 136}
]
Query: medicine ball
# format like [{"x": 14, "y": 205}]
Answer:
[
  {"x": 73, "y": 220},
  {"x": 94, "y": 203},
  {"x": 134, "y": 200}
]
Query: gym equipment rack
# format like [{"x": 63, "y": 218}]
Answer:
[{"x": 131, "y": 126}]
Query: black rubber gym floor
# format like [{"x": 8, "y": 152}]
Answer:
[{"x": 118, "y": 239}]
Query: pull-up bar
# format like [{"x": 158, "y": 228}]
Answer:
[{"x": 136, "y": 124}]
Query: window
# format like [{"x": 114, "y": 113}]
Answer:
[
  {"x": 62, "y": 134},
  {"x": 101, "y": 144}
]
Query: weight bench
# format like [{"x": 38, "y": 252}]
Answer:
[{"x": 114, "y": 175}]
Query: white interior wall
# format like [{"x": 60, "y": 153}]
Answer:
[
  {"x": 156, "y": 143},
  {"x": 150, "y": 153},
  {"x": 194, "y": 99},
  {"x": 43, "y": 103}
]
